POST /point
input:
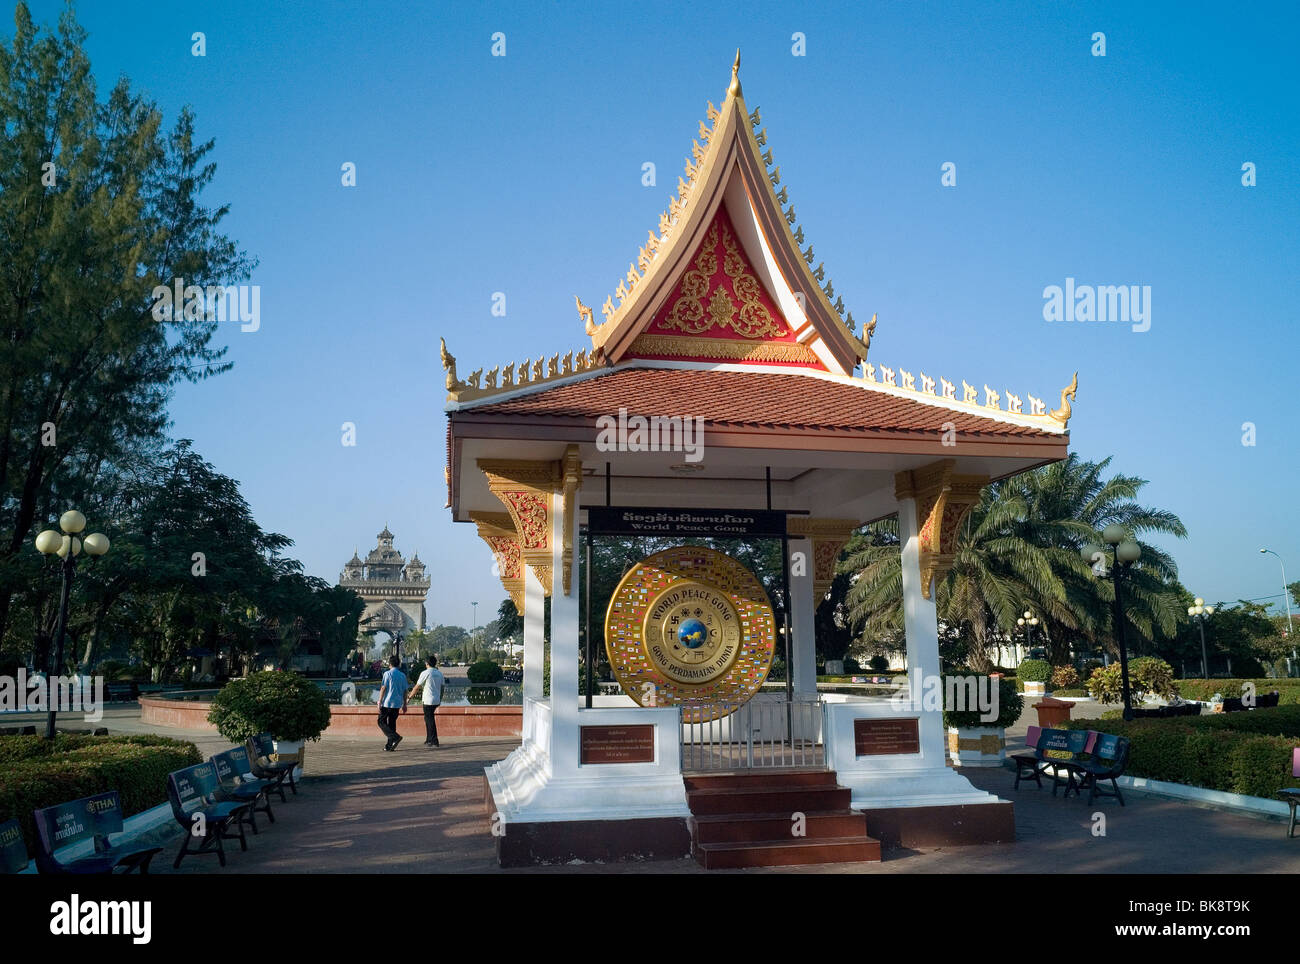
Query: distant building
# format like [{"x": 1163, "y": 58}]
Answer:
[{"x": 393, "y": 589}]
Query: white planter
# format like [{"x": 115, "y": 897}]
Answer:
[
  {"x": 286, "y": 749},
  {"x": 977, "y": 746},
  {"x": 1035, "y": 689}
]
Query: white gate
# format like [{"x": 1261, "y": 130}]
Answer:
[{"x": 764, "y": 732}]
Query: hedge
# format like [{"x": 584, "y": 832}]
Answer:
[
  {"x": 32, "y": 777},
  {"x": 1247, "y": 752},
  {"x": 1203, "y": 689}
]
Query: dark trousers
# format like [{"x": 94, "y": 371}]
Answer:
[
  {"x": 430, "y": 726},
  {"x": 388, "y": 721}
]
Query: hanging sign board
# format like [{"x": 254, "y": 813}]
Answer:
[{"x": 655, "y": 521}]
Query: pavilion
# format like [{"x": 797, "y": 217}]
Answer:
[{"x": 726, "y": 316}]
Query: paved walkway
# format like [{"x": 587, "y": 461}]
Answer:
[{"x": 360, "y": 809}]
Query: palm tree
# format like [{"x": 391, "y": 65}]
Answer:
[{"x": 1019, "y": 548}]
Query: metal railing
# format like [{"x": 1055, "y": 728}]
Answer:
[{"x": 761, "y": 733}]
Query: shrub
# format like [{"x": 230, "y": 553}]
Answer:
[
  {"x": 851, "y": 665},
  {"x": 1010, "y": 706},
  {"x": 1035, "y": 671},
  {"x": 1201, "y": 689},
  {"x": 282, "y": 704},
  {"x": 879, "y": 663},
  {"x": 1146, "y": 675},
  {"x": 1070, "y": 691},
  {"x": 74, "y": 766},
  {"x": 484, "y": 671},
  {"x": 1247, "y": 752},
  {"x": 1064, "y": 677}
]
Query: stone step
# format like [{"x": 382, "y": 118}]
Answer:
[
  {"x": 760, "y": 778},
  {"x": 785, "y": 853},
  {"x": 768, "y": 799},
  {"x": 751, "y": 828}
]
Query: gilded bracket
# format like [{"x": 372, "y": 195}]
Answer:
[
  {"x": 497, "y": 529},
  {"x": 828, "y": 538},
  {"x": 525, "y": 487},
  {"x": 942, "y": 500}
]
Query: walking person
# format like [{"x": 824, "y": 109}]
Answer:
[
  {"x": 433, "y": 681},
  {"x": 392, "y": 697}
]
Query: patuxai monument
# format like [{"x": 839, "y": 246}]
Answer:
[{"x": 392, "y": 588}]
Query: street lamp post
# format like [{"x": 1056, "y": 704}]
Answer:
[
  {"x": 1200, "y": 612},
  {"x": 1286, "y": 598},
  {"x": 1028, "y": 621},
  {"x": 1125, "y": 552},
  {"x": 67, "y": 546}
]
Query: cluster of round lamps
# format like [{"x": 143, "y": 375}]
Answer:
[{"x": 73, "y": 523}]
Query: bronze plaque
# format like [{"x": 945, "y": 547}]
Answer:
[
  {"x": 878, "y": 737},
  {"x": 617, "y": 744}
]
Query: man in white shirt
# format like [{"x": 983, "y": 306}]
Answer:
[{"x": 432, "y": 681}]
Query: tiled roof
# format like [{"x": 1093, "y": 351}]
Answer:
[{"x": 752, "y": 399}]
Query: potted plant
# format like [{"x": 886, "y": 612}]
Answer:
[
  {"x": 292, "y": 709},
  {"x": 974, "y": 741},
  {"x": 1035, "y": 673}
]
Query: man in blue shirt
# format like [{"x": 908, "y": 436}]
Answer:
[{"x": 392, "y": 697}]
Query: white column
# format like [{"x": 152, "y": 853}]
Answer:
[
  {"x": 564, "y": 644},
  {"x": 534, "y": 630},
  {"x": 803, "y": 611},
  {"x": 920, "y": 626}
]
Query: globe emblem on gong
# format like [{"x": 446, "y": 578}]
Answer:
[{"x": 692, "y": 634}]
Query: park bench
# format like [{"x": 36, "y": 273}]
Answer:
[
  {"x": 1106, "y": 760},
  {"x": 13, "y": 850},
  {"x": 260, "y": 748},
  {"x": 1164, "y": 712},
  {"x": 1291, "y": 796},
  {"x": 192, "y": 793},
  {"x": 94, "y": 819},
  {"x": 122, "y": 692},
  {"x": 236, "y": 782},
  {"x": 1051, "y": 751}
]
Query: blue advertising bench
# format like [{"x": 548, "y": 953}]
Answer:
[
  {"x": 236, "y": 782},
  {"x": 260, "y": 749},
  {"x": 13, "y": 849},
  {"x": 192, "y": 793},
  {"x": 1051, "y": 752},
  {"x": 95, "y": 819}
]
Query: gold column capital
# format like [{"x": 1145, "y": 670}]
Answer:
[
  {"x": 525, "y": 487},
  {"x": 942, "y": 500},
  {"x": 828, "y": 538},
  {"x": 571, "y": 482}
]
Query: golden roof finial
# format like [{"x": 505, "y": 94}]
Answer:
[
  {"x": 1063, "y": 413},
  {"x": 734, "y": 89}
]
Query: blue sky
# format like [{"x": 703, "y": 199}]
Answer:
[{"x": 522, "y": 174}]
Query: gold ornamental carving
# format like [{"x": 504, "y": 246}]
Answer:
[
  {"x": 942, "y": 500},
  {"x": 682, "y": 346},
  {"x": 525, "y": 488},
  {"x": 497, "y": 529},
  {"x": 690, "y": 627},
  {"x": 828, "y": 538},
  {"x": 749, "y": 319}
]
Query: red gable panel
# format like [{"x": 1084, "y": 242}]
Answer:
[{"x": 720, "y": 311}]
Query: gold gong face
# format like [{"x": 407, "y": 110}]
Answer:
[{"x": 690, "y": 626}]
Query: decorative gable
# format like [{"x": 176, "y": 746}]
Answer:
[{"x": 720, "y": 312}]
